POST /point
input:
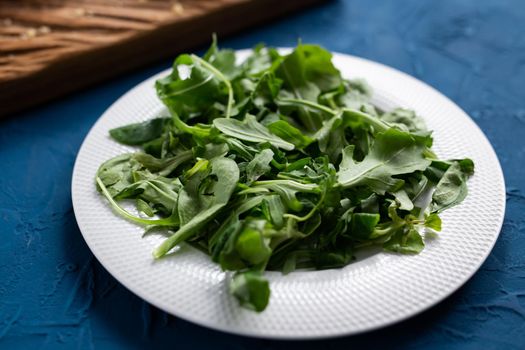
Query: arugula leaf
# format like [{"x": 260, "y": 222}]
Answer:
[
  {"x": 265, "y": 90},
  {"x": 433, "y": 222},
  {"x": 394, "y": 152},
  {"x": 251, "y": 246},
  {"x": 310, "y": 64},
  {"x": 289, "y": 133},
  {"x": 405, "y": 119},
  {"x": 162, "y": 192},
  {"x": 144, "y": 207},
  {"x": 292, "y": 72},
  {"x": 331, "y": 138},
  {"x": 168, "y": 221},
  {"x": 263, "y": 60},
  {"x": 227, "y": 174},
  {"x": 452, "y": 188},
  {"x": 356, "y": 119},
  {"x": 356, "y": 96},
  {"x": 363, "y": 224},
  {"x": 404, "y": 201},
  {"x": 274, "y": 210},
  {"x": 259, "y": 165},
  {"x": 191, "y": 88},
  {"x": 222, "y": 60},
  {"x": 250, "y": 130},
  {"x": 139, "y": 133},
  {"x": 251, "y": 289},
  {"x": 163, "y": 166},
  {"x": 117, "y": 173},
  {"x": 287, "y": 189},
  {"x": 406, "y": 243}
]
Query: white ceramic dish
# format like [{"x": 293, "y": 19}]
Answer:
[{"x": 377, "y": 290}]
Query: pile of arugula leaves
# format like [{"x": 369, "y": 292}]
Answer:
[{"x": 278, "y": 163}]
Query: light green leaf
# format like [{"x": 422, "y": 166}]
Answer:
[
  {"x": 250, "y": 130},
  {"x": 406, "y": 243},
  {"x": 404, "y": 201},
  {"x": 394, "y": 152},
  {"x": 251, "y": 289},
  {"x": 405, "y": 118},
  {"x": 259, "y": 165},
  {"x": 452, "y": 188},
  {"x": 433, "y": 221},
  {"x": 251, "y": 246},
  {"x": 144, "y": 207}
]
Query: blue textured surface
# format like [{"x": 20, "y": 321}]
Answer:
[{"x": 54, "y": 294}]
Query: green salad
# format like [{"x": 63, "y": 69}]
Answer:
[{"x": 279, "y": 163}]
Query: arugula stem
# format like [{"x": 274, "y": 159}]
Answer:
[
  {"x": 221, "y": 76},
  {"x": 310, "y": 188},
  {"x": 310, "y": 213},
  {"x": 379, "y": 232},
  {"x": 253, "y": 190},
  {"x": 310, "y": 104},
  {"x": 378, "y": 124},
  {"x": 181, "y": 235},
  {"x": 182, "y": 126},
  {"x": 201, "y": 164},
  {"x": 332, "y": 103}
]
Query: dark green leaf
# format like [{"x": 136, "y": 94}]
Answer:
[
  {"x": 191, "y": 88},
  {"x": 363, "y": 224},
  {"x": 140, "y": 133}
]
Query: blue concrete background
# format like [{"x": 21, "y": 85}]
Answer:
[{"x": 54, "y": 294}]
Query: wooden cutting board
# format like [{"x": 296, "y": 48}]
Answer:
[{"x": 51, "y": 47}]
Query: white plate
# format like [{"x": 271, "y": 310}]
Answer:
[{"x": 373, "y": 292}]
